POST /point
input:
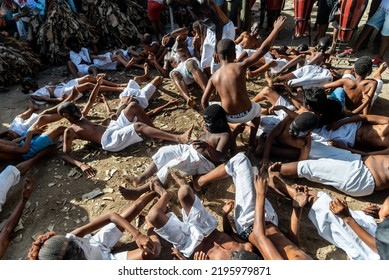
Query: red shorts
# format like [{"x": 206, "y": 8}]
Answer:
[{"x": 154, "y": 10}]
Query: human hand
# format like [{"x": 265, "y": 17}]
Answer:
[
  {"x": 340, "y": 208},
  {"x": 177, "y": 254},
  {"x": 372, "y": 210},
  {"x": 87, "y": 170},
  {"x": 275, "y": 108},
  {"x": 199, "y": 144},
  {"x": 279, "y": 22},
  {"x": 228, "y": 206},
  {"x": 200, "y": 256},
  {"x": 38, "y": 130},
  {"x": 151, "y": 57},
  {"x": 27, "y": 189},
  {"x": 145, "y": 243}
]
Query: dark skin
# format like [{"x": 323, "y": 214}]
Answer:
[
  {"x": 230, "y": 81},
  {"x": 216, "y": 246}
]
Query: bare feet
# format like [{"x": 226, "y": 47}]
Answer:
[
  {"x": 27, "y": 189},
  {"x": 300, "y": 199},
  {"x": 274, "y": 181},
  {"x": 381, "y": 70},
  {"x": 185, "y": 138},
  {"x": 133, "y": 194},
  {"x": 268, "y": 79},
  {"x": 32, "y": 106},
  {"x": 156, "y": 186},
  {"x": 135, "y": 181}
]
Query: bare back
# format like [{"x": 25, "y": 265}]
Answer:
[
  {"x": 230, "y": 83},
  {"x": 355, "y": 91}
]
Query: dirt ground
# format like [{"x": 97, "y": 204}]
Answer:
[{"x": 57, "y": 202}]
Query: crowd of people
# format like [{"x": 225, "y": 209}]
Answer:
[{"x": 313, "y": 120}]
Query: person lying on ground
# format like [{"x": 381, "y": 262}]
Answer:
[
  {"x": 352, "y": 231},
  {"x": 80, "y": 244},
  {"x": 255, "y": 218},
  {"x": 197, "y": 157}
]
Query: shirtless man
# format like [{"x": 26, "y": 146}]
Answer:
[
  {"x": 355, "y": 177},
  {"x": 249, "y": 40},
  {"x": 352, "y": 231},
  {"x": 254, "y": 216},
  {"x": 197, "y": 236},
  {"x": 118, "y": 135},
  {"x": 354, "y": 90},
  {"x": 199, "y": 157},
  {"x": 230, "y": 82},
  {"x": 370, "y": 131}
]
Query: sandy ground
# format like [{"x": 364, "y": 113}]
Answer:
[{"x": 57, "y": 203}]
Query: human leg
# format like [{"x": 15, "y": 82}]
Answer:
[
  {"x": 153, "y": 132},
  {"x": 183, "y": 89},
  {"x": 13, "y": 220},
  {"x": 32, "y": 107}
]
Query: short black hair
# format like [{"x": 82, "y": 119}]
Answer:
[
  {"x": 215, "y": 119},
  {"x": 363, "y": 66},
  {"x": 147, "y": 39},
  {"x": 226, "y": 49},
  {"x": 315, "y": 98},
  {"x": 69, "y": 108},
  {"x": 27, "y": 84},
  {"x": 306, "y": 121},
  {"x": 324, "y": 43},
  {"x": 302, "y": 47},
  {"x": 71, "y": 42}
]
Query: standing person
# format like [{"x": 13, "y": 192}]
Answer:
[
  {"x": 218, "y": 25},
  {"x": 154, "y": 9},
  {"x": 380, "y": 20},
  {"x": 230, "y": 82}
]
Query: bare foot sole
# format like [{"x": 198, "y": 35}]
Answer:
[
  {"x": 135, "y": 181},
  {"x": 382, "y": 67},
  {"x": 184, "y": 138},
  {"x": 274, "y": 181},
  {"x": 268, "y": 79},
  {"x": 300, "y": 199},
  {"x": 129, "y": 194}
]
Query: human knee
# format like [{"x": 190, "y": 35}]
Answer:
[
  {"x": 153, "y": 217},
  {"x": 185, "y": 193}
]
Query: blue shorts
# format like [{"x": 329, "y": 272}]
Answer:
[
  {"x": 38, "y": 144},
  {"x": 379, "y": 20},
  {"x": 340, "y": 95}
]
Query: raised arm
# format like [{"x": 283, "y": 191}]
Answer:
[
  {"x": 93, "y": 96},
  {"x": 259, "y": 237},
  {"x": 266, "y": 45}
]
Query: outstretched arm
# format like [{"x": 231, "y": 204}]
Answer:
[
  {"x": 144, "y": 243},
  {"x": 266, "y": 45},
  {"x": 340, "y": 209},
  {"x": 277, "y": 130},
  {"x": 69, "y": 136},
  {"x": 92, "y": 96}
]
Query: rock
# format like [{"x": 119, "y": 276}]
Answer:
[
  {"x": 92, "y": 194},
  {"x": 330, "y": 252}
]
